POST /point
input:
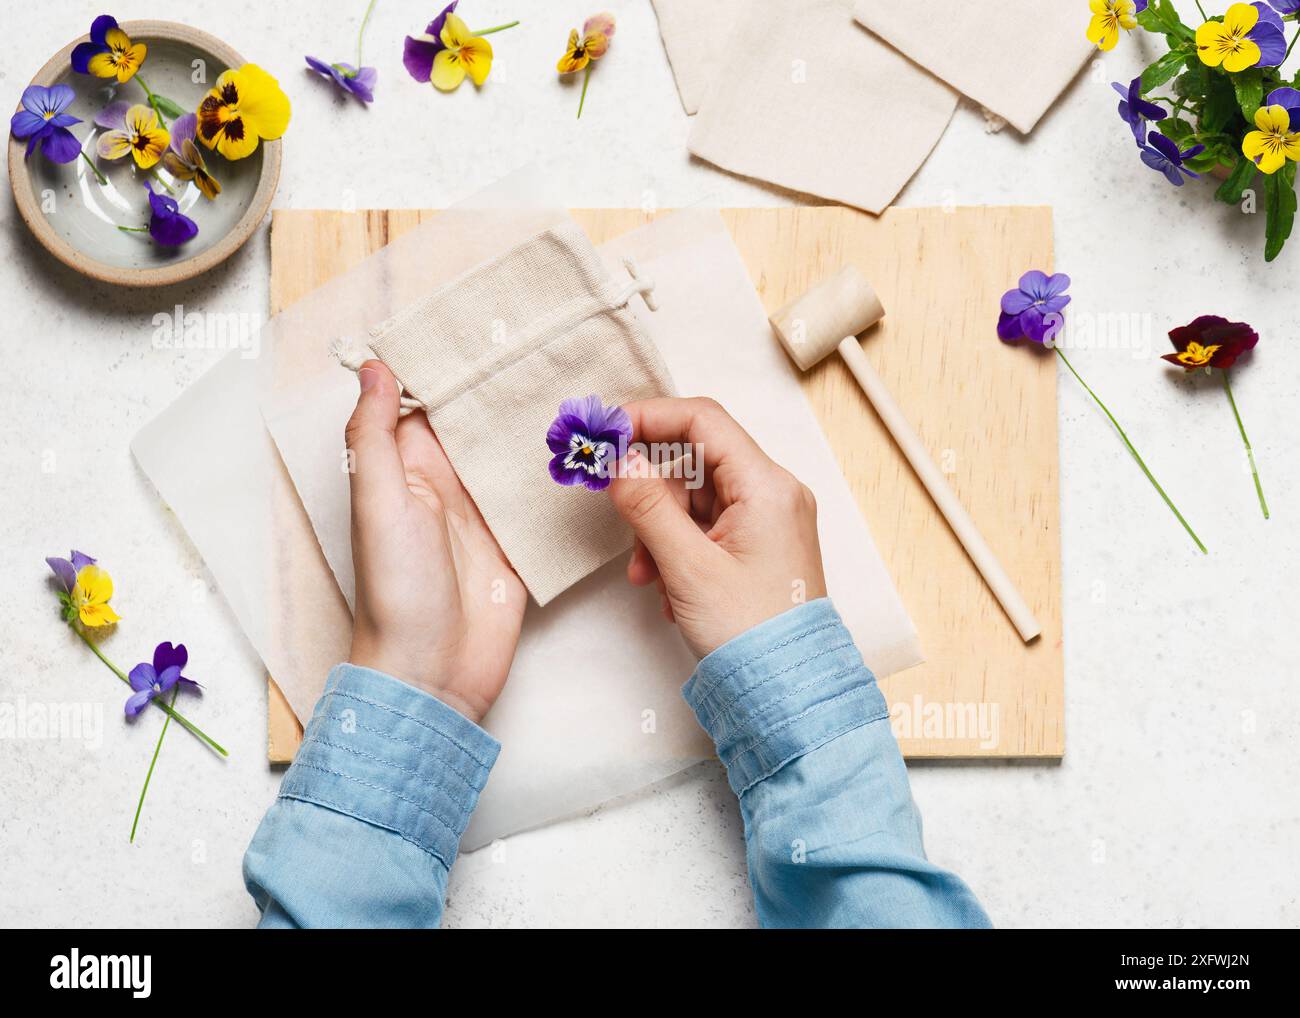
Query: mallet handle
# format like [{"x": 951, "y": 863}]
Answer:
[{"x": 944, "y": 497}]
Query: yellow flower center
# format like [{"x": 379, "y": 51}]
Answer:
[{"x": 1197, "y": 356}]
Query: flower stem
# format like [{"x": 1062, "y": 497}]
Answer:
[
  {"x": 94, "y": 169},
  {"x": 1141, "y": 463},
  {"x": 362, "y": 31},
  {"x": 1204, "y": 16},
  {"x": 161, "y": 183},
  {"x": 148, "y": 776},
  {"x": 497, "y": 28},
  {"x": 586, "y": 78},
  {"x": 176, "y": 715},
  {"x": 1294, "y": 39},
  {"x": 134, "y": 229},
  {"x": 1250, "y": 454},
  {"x": 153, "y": 100}
]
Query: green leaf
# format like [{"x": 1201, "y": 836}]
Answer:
[
  {"x": 1163, "y": 69},
  {"x": 1160, "y": 16},
  {"x": 1249, "y": 86},
  {"x": 1221, "y": 108},
  {"x": 1175, "y": 128},
  {"x": 170, "y": 108},
  {"x": 1194, "y": 82},
  {"x": 1241, "y": 177},
  {"x": 1280, "y": 205}
]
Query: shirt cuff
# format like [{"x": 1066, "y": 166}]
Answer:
[
  {"x": 393, "y": 756},
  {"x": 787, "y": 686}
]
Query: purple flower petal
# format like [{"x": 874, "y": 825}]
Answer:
[
  {"x": 1034, "y": 283},
  {"x": 1288, "y": 99},
  {"x": 142, "y": 676},
  {"x": 1009, "y": 327},
  {"x": 560, "y": 474},
  {"x": 1055, "y": 305},
  {"x": 113, "y": 116},
  {"x": 100, "y": 27},
  {"x": 65, "y": 571},
  {"x": 61, "y": 146},
  {"x": 594, "y": 482},
  {"x": 1015, "y": 301},
  {"x": 1166, "y": 147},
  {"x": 80, "y": 560},
  {"x": 168, "y": 678},
  {"x": 418, "y": 55},
  {"x": 137, "y": 702},
  {"x": 1033, "y": 324},
  {"x": 25, "y": 123},
  {"x": 561, "y": 430},
  {"x": 1056, "y": 285},
  {"x": 182, "y": 130},
  {"x": 61, "y": 97},
  {"x": 320, "y": 66},
  {"x": 82, "y": 53},
  {"x": 173, "y": 230},
  {"x": 166, "y": 656},
  {"x": 1271, "y": 43}
]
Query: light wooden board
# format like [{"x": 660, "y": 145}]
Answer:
[{"x": 985, "y": 410}]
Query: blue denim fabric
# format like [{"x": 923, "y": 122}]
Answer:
[{"x": 369, "y": 816}]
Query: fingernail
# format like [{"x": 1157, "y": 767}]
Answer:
[{"x": 368, "y": 377}]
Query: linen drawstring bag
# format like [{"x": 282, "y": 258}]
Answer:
[{"x": 490, "y": 357}]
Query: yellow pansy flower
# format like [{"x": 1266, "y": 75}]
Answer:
[
  {"x": 90, "y": 596},
  {"x": 135, "y": 130},
  {"x": 110, "y": 52},
  {"x": 244, "y": 107},
  {"x": 591, "y": 45},
  {"x": 1108, "y": 17},
  {"x": 1227, "y": 43},
  {"x": 1274, "y": 143},
  {"x": 464, "y": 54}
]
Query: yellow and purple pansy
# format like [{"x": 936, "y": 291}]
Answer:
[
  {"x": 1276, "y": 138},
  {"x": 244, "y": 107},
  {"x": 110, "y": 53},
  {"x": 582, "y": 49},
  {"x": 1249, "y": 35},
  {"x": 184, "y": 161},
  {"x": 131, "y": 129},
  {"x": 44, "y": 124},
  {"x": 1109, "y": 16},
  {"x": 420, "y": 51}
]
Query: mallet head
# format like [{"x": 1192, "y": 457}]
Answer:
[{"x": 813, "y": 325}]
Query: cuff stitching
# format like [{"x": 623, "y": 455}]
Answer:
[
  {"x": 766, "y": 736},
  {"x": 386, "y": 791},
  {"x": 775, "y": 647},
  {"x": 411, "y": 717},
  {"x": 320, "y": 800},
  {"x": 423, "y": 748},
  {"x": 758, "y": 712},
  {"x": 795, "y": 754},
  {"x": 387, "y": 763},
  {"x": 721, "y": 708}
]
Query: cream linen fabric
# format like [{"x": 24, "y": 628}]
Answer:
[
  {"x": 491, "y": 356},
  {"x": 1014, "y": 57},
  {"x": 808, "y": 100},
  {"x": 695, "y": 34}
]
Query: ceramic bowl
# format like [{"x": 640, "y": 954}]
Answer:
[{"x": 76, "y": 218}]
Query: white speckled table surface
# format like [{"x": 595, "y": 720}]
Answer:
[{"x": 1175, "y": 804}]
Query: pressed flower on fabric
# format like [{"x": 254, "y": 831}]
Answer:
[
  {"x": 184, "y": 161},
  {"x": 1033, "y": 309},
  {"x": 586, "y": 439},
  {"x": 43, "y": 123},
  {"x": 582, "y": 49},
  {"x": 1214, "y": 342},
  {"x": 110, "y": 52},
  {"x": 1109, "y": 16},
  {"x": 1275, "y": 139},
  {"x": 1163, "y": 155},
  {"x": 132, "y": 130},
  {"x": 244, "y": 107}
]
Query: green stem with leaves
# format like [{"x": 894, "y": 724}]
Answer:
[
  {"x": 1140, "y": 462},
  {"x": 1250, "y": 453},
  {"x": 149, "y": 776},
  {"x": 175, "y": 715}
]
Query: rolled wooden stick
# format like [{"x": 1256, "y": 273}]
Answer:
[{"x": 829, "y": 318}]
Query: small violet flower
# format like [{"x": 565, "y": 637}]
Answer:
[
  {"x": 1162, "y": 154},
  {"x": 184, "y": 161},
  {"x": 167, "y": 225},
  {"x": 110, "y": 53},
  {"x": 1109, "y": 16},
  {"x": 359, "y": 81},
  {"x": 586, "y": 439},
  {"x": 150, "y": 680},
  {"x": 1136, "y": 111},
  {"x": 131, "y": 129},
  {"x": 1033, "y": 309},
  {"x": 43, "y": 122}
]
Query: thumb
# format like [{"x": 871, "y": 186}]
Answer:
[
  {"x": 373, "y": 461},
  {"x": 648, "y": 506}
]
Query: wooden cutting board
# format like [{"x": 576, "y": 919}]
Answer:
[{"x": 985, "y": 410}]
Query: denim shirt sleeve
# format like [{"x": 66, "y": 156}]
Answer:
[
  {"x": 370, "y": 814},
  {"x": 832, "y": 835}
]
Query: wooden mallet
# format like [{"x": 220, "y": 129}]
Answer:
[{"x": 830, "y": 317}]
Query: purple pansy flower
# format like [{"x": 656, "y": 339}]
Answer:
[
  {"x": 1033, "y": 309},
  {"x": 1288, "y": 99},
  {"x": 43, "y": 123},
  {"x": 1136, "y": 111},
  {"x": 1285, "y": 6},
  {"x": 360, "y": 81},
  {"x": 152, "y": 680},
  {"x": 418, "y": 54},
  {"x": 1268, "y": 35},
  {"x": 587, "y": 438},
  {"x": 66, "y": 569},
  {"x": 1162, "y": 154},
  {"x": 167, "y": 225}
]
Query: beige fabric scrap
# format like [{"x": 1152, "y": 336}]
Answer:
[
  {"x": 491, "y": 356},
  {"x": 810, "y": 101},
  {"x": 1014, "y": 57}
]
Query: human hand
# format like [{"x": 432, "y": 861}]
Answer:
[
  {"x": 739, "y": 549},
  {"x": 437, "y": 604}
]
